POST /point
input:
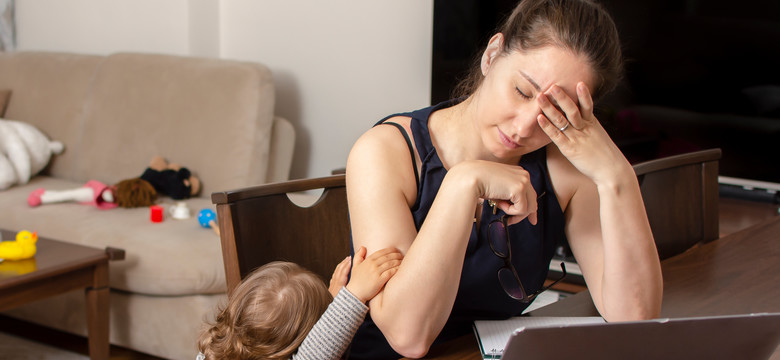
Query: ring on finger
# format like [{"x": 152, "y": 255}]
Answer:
[{"x": 564, "y": 127}]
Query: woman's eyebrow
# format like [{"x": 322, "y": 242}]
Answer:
[{"x": 535, "y": 85}]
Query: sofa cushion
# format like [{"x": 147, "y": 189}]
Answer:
[
  {"x": 49, "y": 90},
  {"x": 175, "y": 257},
  {"x": 212, "y": 116}
]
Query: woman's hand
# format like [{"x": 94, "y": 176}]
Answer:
[
  {"x": 370, "y": 274},
  {"x": 340, "y": 276},
  {"x": 579, "y": 135},
  {"x": 508, "y": 186}
]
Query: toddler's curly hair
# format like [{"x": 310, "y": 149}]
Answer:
[{"x": 268, "y": 314}]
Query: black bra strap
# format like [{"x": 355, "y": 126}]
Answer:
[{"x": 411, "y": 148}]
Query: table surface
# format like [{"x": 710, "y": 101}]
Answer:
[
  {"x": 59, "y": 267},
  {"x": 736, "y": 274},
  {"x": 51, "y": 259}
]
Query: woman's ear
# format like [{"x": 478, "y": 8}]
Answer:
[{"x": 494, "y": 47}]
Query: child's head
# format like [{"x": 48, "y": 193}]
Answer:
[{"x": 268, "y": 315}]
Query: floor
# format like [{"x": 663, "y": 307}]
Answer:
[
  {"x": 62, "y": 340},
  {"x": 735, "y": 214}
]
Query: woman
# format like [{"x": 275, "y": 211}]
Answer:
[{"x": 525, "y": 139}]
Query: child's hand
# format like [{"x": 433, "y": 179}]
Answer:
[
  {"x": 369, "y": 275},
  {"x": 340, "y": 276}
]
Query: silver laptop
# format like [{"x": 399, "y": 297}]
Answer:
[{"x": 754, "y": 336}]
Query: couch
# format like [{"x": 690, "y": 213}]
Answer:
[{"x": 114, "y": 114}]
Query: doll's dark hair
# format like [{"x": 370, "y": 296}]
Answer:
[{"x": 582, "y": 26}]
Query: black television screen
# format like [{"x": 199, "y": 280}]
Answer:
[{"x": 699, "y": 74}]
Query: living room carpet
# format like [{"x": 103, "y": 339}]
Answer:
[{"x": 17, "y": 348}]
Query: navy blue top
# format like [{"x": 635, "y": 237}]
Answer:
[{"x": 480, "y": 296}]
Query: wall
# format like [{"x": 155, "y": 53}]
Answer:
[{"x": 339, "y": 65}]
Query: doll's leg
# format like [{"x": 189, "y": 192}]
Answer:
[{"x": 42, "y": 196}]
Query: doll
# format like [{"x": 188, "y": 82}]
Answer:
[{"x": 160, "y": 178}]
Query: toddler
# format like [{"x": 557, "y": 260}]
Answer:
[{"x": 282, "y": 311}]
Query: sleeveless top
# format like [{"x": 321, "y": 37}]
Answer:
[{"x": 480, "y": 295}]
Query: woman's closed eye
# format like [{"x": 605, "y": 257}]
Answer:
[{"x": 522, "y": 94}]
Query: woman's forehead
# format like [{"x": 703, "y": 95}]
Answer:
[{"x": 549, "y": 66}]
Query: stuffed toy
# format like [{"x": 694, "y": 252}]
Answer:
[
  {"x": 171, "y": 179},
  {"x": 24, "y": 152},
  {"x": 160, "y": 178}
]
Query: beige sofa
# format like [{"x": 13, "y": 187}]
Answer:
[{"x": 114, "y": 113}]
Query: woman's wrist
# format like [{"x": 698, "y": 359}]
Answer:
[
  {"x": 463, "y": 177},
  {"x": 622, "y": 177}
]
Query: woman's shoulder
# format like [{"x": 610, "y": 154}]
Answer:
[
  {"x": 381, "y": 158},
  {"x": 384, "y": 135}
]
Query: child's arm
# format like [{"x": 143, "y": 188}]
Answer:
[{"x": 331, "y": 335}]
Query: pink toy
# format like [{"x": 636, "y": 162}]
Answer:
[{"x": 92, "y": 193}]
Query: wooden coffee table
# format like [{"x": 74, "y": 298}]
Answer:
[{"x": 59, "y": 267}]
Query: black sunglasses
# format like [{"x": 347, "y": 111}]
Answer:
[{"x": 498, "y": 239}]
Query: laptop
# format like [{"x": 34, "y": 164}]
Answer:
[{"x": 753, "y": 336}]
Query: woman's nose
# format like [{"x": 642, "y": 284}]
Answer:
[{"x": 525, "y": 124}]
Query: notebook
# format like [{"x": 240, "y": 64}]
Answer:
[{"x": 750, "y": 336}]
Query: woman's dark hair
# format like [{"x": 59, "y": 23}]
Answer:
[{"x": 582, "y": 26}]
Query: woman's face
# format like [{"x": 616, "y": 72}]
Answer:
[{"x": 507, "y": 99}]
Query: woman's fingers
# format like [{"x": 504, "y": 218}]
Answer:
[
  {"x": 551, "y": 113},
  {"x": 585, "y": 100},
  {"x": 570, "y": 109}
]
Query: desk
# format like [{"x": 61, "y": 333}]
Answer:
[{"x": 736, "y": 274}]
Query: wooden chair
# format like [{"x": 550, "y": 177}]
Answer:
[
  {"x": 680, "y": 193},
  {"x": 261, "y": 224}
]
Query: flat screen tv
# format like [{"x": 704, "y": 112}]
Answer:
[{"x": 699, "y": 74}]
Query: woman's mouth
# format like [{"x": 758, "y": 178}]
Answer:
[{"x": 507, "y": 141}]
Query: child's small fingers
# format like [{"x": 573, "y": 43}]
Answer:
[
  {"x": 382, "y": 252},
  {"x": 387, "y": 274},
  {"x": 360, "y": 255},
  {"x": 389, "y": 265},
  {"x": 387, "y": 254},
  {"x": 345, "y": 264}
]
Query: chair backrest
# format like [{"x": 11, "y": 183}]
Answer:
[
  {"x": 680, "y": 193},
  {"x": 261, "y": 224}
]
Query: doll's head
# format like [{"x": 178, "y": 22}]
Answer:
[{"x": 268, "y": 315}]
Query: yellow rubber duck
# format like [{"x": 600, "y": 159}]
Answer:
[{"x": 21, "y": 248}]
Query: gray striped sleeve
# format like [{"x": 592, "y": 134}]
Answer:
[{"x": 331, "y": 335}]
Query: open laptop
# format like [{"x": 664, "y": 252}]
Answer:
[{"x": 753, "y": 336}]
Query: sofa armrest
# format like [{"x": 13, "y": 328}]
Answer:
[{"x": 281, "y": 152}]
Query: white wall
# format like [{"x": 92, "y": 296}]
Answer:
[{"x": 339, "y": 65}]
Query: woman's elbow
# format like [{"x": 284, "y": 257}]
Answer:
[
  {"x": 409, "y": 342},
  {"x": 634, "y": 313},
  {"x": 409, "y": 346}
]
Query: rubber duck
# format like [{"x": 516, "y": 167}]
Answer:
[{"x": 21, "y": 248}]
